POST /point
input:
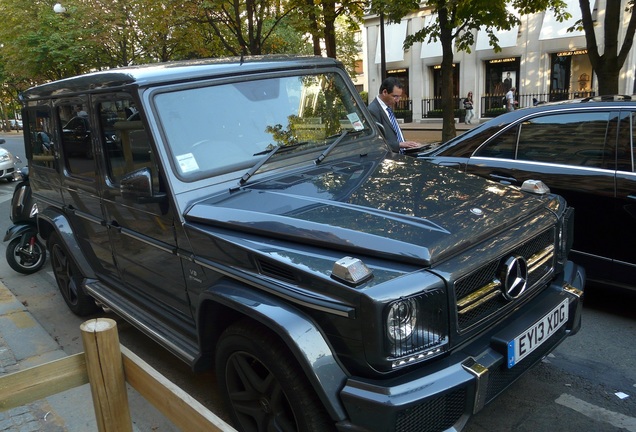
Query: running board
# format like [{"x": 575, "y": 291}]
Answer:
[{"x": 175, "y": 342}]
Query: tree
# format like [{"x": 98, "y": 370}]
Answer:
[
  {"x": 456, "y": 23},
  {"x": 607, "y": 66},
  {"x": 242, "y": 26}
]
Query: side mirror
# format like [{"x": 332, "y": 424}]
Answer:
[{"x": 137, "y": 186}]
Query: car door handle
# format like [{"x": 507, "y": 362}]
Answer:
[
  {"x": 503, "y": 179},
  {"x": 449, "y": 164}
]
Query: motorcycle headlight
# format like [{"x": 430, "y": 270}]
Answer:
[{"x": 416, "y": 328}]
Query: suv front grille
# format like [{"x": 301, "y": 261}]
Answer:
[{"x": 478, "y": 294}]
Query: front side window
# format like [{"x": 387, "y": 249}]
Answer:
[
  {"x": 126, "y": 143},
  {"x": 219, "y": 128},
  {"x": 502, "y": 146},
  {"x": 578, "y": 139}
]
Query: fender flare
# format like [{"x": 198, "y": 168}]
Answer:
[
  {"x": 52, "y": 220},
  {"x": 299, "y": 333}
]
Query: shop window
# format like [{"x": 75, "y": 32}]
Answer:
[{"x": 570, "y": 75}]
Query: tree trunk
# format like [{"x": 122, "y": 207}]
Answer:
[
  {"x": 329, "y": 12},
  {"x": 448, "y": 100}
]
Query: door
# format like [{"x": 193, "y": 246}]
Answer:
[
  {"x": 79, "y": 184},
  {"x": 142, "y": 235},
  {"x": 624, "y": 269}
]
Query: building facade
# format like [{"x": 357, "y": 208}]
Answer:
[{"x": 539, "y": 57}]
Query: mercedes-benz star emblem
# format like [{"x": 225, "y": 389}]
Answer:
[{"x": 514, "y": 277}]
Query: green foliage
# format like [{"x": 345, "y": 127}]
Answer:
[{"x": 456, "y": 22}]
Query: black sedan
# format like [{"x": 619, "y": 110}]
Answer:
[{"x": 583, "y": 151}]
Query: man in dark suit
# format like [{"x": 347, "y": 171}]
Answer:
[{"x": 381, "y": 109}]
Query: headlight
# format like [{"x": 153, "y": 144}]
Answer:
[
  {"x": 416, "y": 328},
  {"x": 401, "y": 320},
  {"x": 5, "y": 157}
]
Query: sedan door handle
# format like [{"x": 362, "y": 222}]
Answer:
[{"x": 503, "y": 179}]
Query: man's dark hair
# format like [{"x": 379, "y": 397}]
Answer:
[{"x": 389, "y": 83}]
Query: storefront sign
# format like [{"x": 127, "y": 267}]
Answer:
[
  {"x": 571, "y": 53},
  {"x": 504, "y": 60}
]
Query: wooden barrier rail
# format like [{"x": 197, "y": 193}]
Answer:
[{"x": 107, "y": 365}]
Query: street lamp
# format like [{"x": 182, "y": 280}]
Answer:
[{"x": 58, "y": 8}]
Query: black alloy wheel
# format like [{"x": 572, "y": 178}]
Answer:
[
  {"x": 69, "y": 278},
  {"x": 263, "y": 385}
]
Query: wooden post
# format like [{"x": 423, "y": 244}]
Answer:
[{"x": 106, "y": 375}]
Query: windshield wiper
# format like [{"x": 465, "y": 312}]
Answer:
[
  {"x": 331, "y": 147},
  {"x": 256, "y": 167},
  {"x": 284, "y": 148}
]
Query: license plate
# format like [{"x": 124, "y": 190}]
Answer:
[{"x": 539, "y": 332}]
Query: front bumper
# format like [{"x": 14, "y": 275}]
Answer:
[{"x": 443, "y": 394}]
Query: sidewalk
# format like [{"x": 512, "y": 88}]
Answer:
[{"x": 25, "y": 343}]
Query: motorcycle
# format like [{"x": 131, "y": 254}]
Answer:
[{"x": 25, "y": 253}]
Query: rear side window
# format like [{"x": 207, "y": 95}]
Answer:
[
  {"x": 76, "y": 136},
  {"x": 579, "y": 139},
  {"x": 625, "y": 143},
  {"x": 41, "y": 139}
]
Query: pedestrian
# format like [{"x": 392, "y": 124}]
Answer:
[
  {"x": 381, "y": 109},
  {"x": 468, "y": 106},
  {"x": 510, "y": 99}
]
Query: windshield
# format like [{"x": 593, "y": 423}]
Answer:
[{"x": 220, "y": 128}]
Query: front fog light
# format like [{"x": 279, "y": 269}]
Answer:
[{"x": 401, "y": 320}]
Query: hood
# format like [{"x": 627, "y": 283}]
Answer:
[{"x": 401, "y": 209}]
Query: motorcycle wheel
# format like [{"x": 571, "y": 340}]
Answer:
[{"x": 22, "y": 262}]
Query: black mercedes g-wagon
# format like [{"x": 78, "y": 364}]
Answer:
[{"x": 248, "y": 216}]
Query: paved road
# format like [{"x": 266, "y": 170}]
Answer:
[{"x": 580, "y": 387}]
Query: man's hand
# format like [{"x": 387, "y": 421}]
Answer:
[{"x": 410, "y": 144}]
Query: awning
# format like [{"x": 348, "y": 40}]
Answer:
[
  {"x": 552, "y": 29},
  {"x": 433, "y": 48},
  {"x": 507, "y": 38},
  {"x": 394, "y": 35}
]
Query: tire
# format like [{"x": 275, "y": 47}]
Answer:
[
  {"x": 23, "y": 263},
  {"x": 263, "y": 387},
  {"x": 69, "y": 279}
]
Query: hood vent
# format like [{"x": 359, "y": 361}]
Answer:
[{"x": 275, "y": 271}]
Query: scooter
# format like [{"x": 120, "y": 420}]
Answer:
[{"x": 25, "y": 253}]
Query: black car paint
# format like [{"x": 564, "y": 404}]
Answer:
[
  {"x": 604, "y": 199},
  {"x": 202, "y": 254}
]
